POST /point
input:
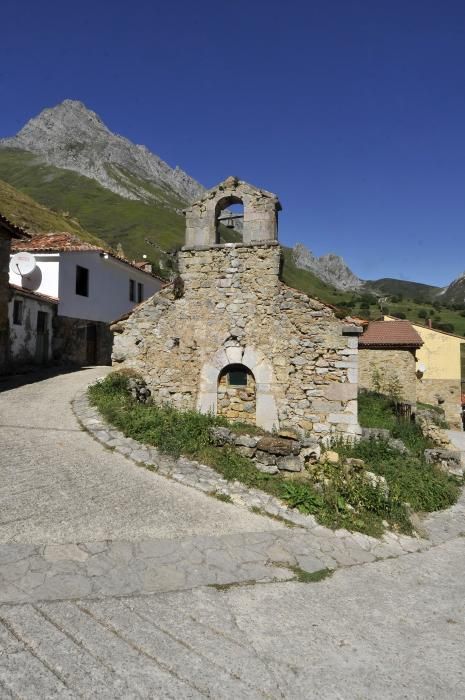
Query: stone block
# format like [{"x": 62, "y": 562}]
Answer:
[
  {"x": 278, "y": 446},
  {"x": 267, "y": 468},
  {"x": 343, "y": 418},
  {"x": 289, "y": 464},
  {"x": 234, "y": 355},
  {"x": 246, "y": 441},
  {"x": 321, "y": 428},
  {"x": 352, "y": 375},
  {"x": 265, "y": 457},
  {"x": 246, "y": 451}
]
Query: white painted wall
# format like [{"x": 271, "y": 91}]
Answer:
[
  {"x": 45, "y": 277},
  {"x": 108, "y": 286},
  {"x": 23, "y": 338}
]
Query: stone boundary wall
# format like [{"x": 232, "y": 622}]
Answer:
[
  {"x": 234, "y": 309},
  {"x": 398, "y": 363},
  {"x": 70, "y": 341},
  {"x": 445, "y": 393}
]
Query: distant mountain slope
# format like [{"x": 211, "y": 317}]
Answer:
[
  {"x": 330, "y": 268},
  {"x": 36, "y": 218},
  {"x": 393, "y": 287},
  {"x": 108, "y": 215},
  {"x": 73, "y": 137},
  {"x": 454, "y": 293}
]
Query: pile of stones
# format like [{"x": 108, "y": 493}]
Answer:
[
  {"x": 384, "y": 434},
  {"x": 449, "y": 461},
  {"x": 271, "y": 454},
  {"x": 350, "y": 467},
  {"x": 138, "y": 389}
]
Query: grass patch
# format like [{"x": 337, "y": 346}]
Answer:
[
  {"x": 225, "y": 497},
  {"x": 336, "y": 501},
  {"x": 310, "y": 576},
  {"x": 409, "y": 477},
  {"x": 261, "y": 511}
]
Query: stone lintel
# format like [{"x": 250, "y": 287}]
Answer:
[{"x": 351, "y": 329}]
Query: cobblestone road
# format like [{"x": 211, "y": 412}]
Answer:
[{"x": 119, "y": 583}]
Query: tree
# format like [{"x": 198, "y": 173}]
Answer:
[
  {"x": 399, "y": 314},
  {"x": 423, "y": 313}
]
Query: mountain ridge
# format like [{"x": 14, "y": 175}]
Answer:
[
  {"x": 73, "y": 137},
  {"x": 70, "y": 138}
]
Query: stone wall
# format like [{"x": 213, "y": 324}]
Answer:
[
  {"x": 4, "y": 297},
  {"x": 70, "y": 342},
  {"x": 390, "y": 364},
  {"x": 445, "y": 393},
  {"x": 234, "y": 309}
]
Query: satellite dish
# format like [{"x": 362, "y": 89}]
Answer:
[
  {"x": 22, "y": 264},
  {"x": 421, "y": 368}
]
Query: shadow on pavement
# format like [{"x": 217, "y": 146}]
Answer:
[{"x": 33, "y": 375}]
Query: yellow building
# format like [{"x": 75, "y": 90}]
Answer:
[{"x": 439, "y": 373}]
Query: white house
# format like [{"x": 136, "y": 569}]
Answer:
[
  {"x": 91, "y": 286},
  {"x": 31, "y": 321}
]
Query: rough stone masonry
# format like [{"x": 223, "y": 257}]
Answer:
[{"x": 237, "y": 323}]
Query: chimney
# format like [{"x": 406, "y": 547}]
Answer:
[{"x": 430, "y": 323}]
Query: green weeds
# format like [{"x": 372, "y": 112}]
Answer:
[{"x": 335, "y": 498}]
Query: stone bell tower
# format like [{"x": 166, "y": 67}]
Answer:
[
  {"x": 260, "y": 222},
  {"x": 232, "y": 339}
]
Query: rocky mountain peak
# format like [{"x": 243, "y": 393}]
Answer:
[
  {"x": 74, "y": 137},
  {"x": 330, "y": 268}
]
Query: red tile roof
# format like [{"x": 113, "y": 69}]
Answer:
[
  {"x": 389, "y": 334},
  {"x": 12, "y": 229},
  {"x": 67, "y": 243},
  {"x": 55, "y": 242},
  {"x": 30, "y": 293}
]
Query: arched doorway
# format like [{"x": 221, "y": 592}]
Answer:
[{"x": 237, "y": 394}]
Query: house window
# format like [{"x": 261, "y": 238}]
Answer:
[
  {"x": 140, "y": 292},
  {"x": 132, "y": 290},
  {"x": 82, "y": 281},
  {"x": 17, "y": 312}
]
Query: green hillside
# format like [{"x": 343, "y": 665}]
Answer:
[
  {"x": 412, "y": 290},
  {"x": 36, "y": 218},
  {"x": 43, "y": 198}
]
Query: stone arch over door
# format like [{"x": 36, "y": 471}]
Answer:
[{"x": 265, "y": 404}]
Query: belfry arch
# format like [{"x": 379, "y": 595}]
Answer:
[
  {"x": 260, "y": 219},
  {"x": 228, "y": 218}
]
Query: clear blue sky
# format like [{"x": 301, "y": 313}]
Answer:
[{"x": 352, "y": 111}]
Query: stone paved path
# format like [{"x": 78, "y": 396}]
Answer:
[
  {"x": 103, "y": 568},
  {"x": 386, "y": 630},
  {"x": 59, "y": 485}
]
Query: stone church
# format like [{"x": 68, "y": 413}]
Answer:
[{"x": 230, "y": 338}]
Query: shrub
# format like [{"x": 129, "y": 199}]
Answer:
[{"x": 399, "y": 314}]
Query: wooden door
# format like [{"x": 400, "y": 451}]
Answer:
[{"x": 91, "y": 355}]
